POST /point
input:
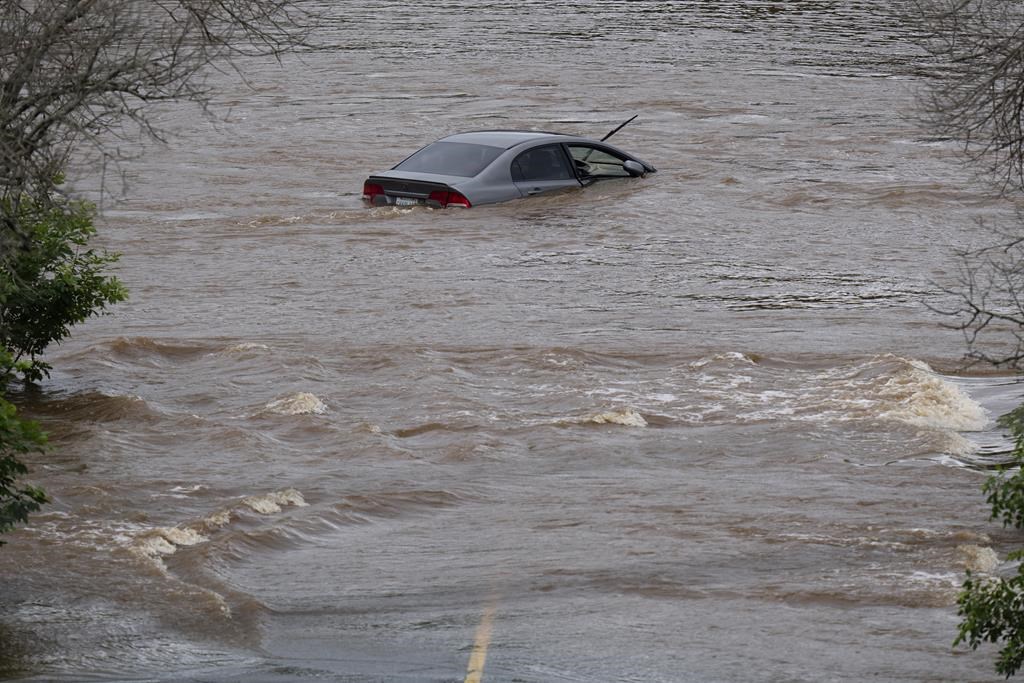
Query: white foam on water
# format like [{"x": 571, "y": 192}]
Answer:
[
  {"x": 729, "y": 356},
  {"x": 246, "y": 347},
  {"x": 626, "y": 417},
  {"x": 153, "y": 544},
  {"x": 166, "y": 541},
  {"x": 302, "y": 403},
  {"x": 771, "y": 414},
  {"x": 887, "y": 388},
  {"x": 939, "y": 579},
  {"x": 273, "y": 502},
  {"x": 188, "y": 489},
  {"x": 218, "y": 519},
  {"x": 955, "y": 444},
  {"x": 920, "y": 397},
  {"x": 977, "y": 558},
  {"x": 264, "y": 504}
]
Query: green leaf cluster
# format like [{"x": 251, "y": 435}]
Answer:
[
  {"x": 992, "y": 608},
  {"x": 51, "y": 282},
  {"x": 17, "y": 437}
]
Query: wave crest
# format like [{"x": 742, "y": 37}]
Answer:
[
  {"x": 153, "y": 544},
  {"x": 977, "y": 558},
  {"x": 626, "y": 417},
  {"x": 302, "y": 403},
  {"x": 166, "y": 540},
  {"x": 921, "y": 397},
  {"x": 273, "y": 502}
]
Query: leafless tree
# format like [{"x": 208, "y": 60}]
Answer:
[
  {"x": 78, "y": 74},
  {"x": 975, "y": 95},
  {"x": 987, "y": 300}
]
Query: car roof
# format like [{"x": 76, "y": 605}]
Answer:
[{"x": 505, "y": 139}]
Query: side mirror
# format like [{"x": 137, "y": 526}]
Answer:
[{"x": 634, "y": 168}]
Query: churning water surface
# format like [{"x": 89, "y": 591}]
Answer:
[{"x": 702, "y": 426}]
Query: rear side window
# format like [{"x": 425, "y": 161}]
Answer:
[
  {"x": 451, "y": 158},
  {"x": 542, "y": 163}
]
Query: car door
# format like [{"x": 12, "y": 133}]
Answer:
[
  {"x": 594, "y": 163},
  {"x": 543, "y": 169}
]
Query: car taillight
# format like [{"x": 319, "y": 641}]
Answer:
[
  {"x": 371, "y": 190},
  {"x": 446, "y": 198}
]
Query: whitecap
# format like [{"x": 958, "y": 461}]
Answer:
[
  {"x": 246, "y": 347},
  {"x": 188, "y": 489},
  {"x": 217, "y": 519},
  {"x": 728, "y": 356},
  {"x": 958, "y": 445},
  {"x": 166, "y": 540},
  {"x": 922, "y": 398},
  {"x": 977, "y": 558},
  {"x": 264, "y": 504},
  {"x": 154, "y": 543},
  {"x": 626, "y": 417},
  {"x": 937, "y": 579},
  {"x": 302, "y": 403},
  {"x": 273, "y": 502}
]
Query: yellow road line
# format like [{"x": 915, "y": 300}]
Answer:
[{"x": 475, "y": 671}]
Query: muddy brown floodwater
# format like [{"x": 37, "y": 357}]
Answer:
[{"x": 697, "y": 427}]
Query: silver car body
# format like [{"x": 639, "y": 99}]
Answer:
[{"x": 522, "y": 163}]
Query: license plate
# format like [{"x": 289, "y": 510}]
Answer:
[{"x": 406, "y": 201}]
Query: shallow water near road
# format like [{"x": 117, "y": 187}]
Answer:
[{"x": 702, "y": 426}]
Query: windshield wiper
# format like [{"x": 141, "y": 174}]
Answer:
[{"x": 621, "y": 126}]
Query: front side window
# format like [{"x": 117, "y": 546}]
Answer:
[
  {"x": 593, "y": 162},
  {"x": 451, "y": 158},
  {"x": 541, "y": 163}
]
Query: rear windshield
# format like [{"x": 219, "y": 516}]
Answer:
[{"x": 451, "y": 158}]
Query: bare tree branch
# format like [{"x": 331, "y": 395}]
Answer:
[
  {"x": 987, "y": 300},
  {"x": 77, "y": 73},
  {"x": 976, "y": 95},
  {"x": 978, "y": 92}
]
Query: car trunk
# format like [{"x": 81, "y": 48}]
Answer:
[{"x": 384, "y": 191}]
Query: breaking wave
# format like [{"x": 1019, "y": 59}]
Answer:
[
  {"x": 885, "y": 388},
  {"x": 302, "y": 403},
  {"x": 166, "y": 540},
  {"x": 918, "y": 396},
  {"x": 626, "y": 417},
  {"x": 162, "y": 541},
  {"x": 273, "y": 502},
  {"x": 976, "y": 558}
]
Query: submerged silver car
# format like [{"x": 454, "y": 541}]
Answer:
[{"x": 484, "y": 167}]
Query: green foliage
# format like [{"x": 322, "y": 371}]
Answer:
[
  {"x": 1006, "y": 496},
  {"x": 51, "y": 284},
  {"x": 17, "y": 437},
  {"x": 1005, "y": 490},
  {"x": 992, "y": 608}
]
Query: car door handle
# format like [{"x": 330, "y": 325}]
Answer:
[{"x": 536, "y": 190}]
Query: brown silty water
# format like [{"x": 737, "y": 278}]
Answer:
[{"x": 701, "y": 426}]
